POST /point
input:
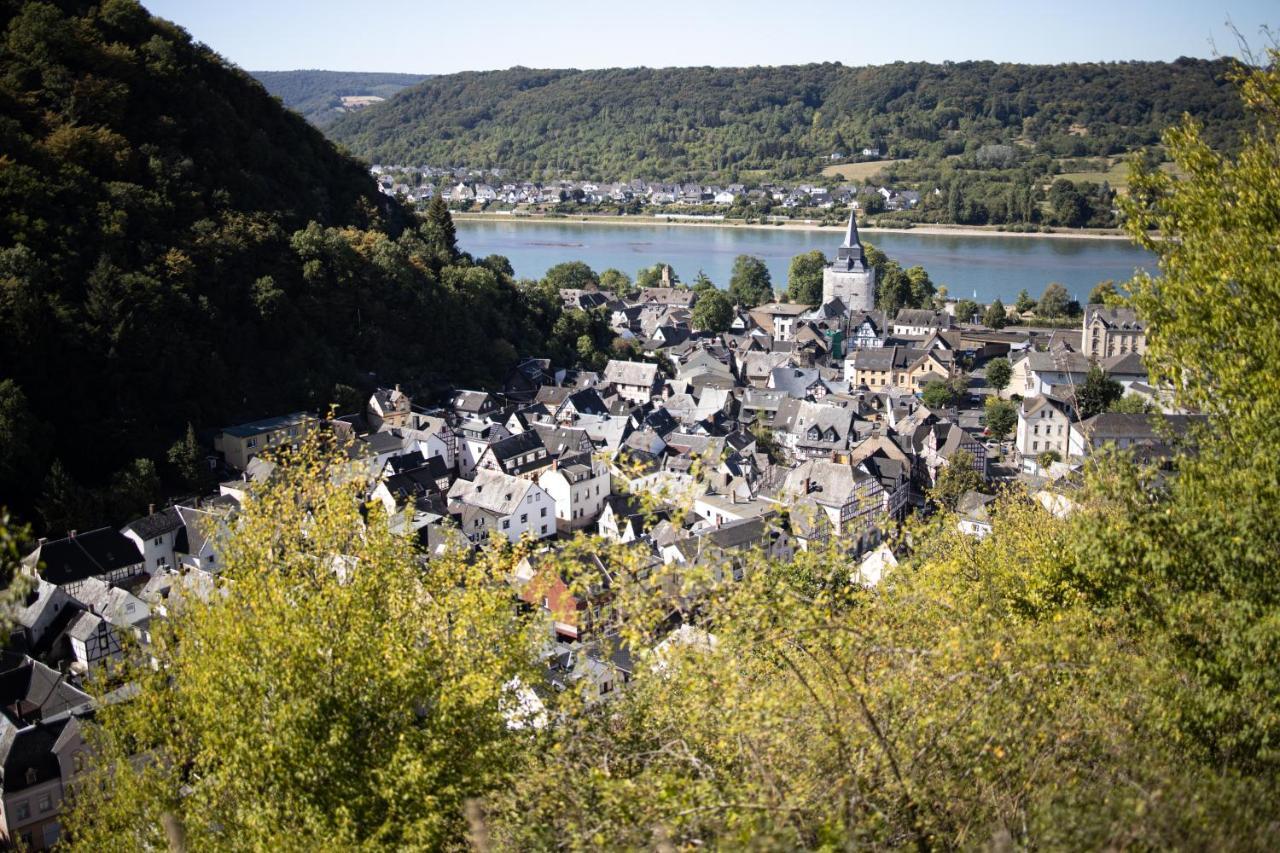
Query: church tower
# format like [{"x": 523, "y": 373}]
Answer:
[{"x": 849, "y": 278}]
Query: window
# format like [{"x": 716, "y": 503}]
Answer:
[
  {"x": 45, "y": 803},
  {"x": 159, "y": 540},
  {"x": 544, "y": 512},
  {"x": 506, "y": 524},
  {"x": 1035, "y": 445},
  {"x": 253, "y": 442},
  {"x": 524, "y": 519},
  {"x": 22, "y": 810},
  {"x": 544, "y": 530}
]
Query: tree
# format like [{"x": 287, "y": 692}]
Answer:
[
  {"x": 955, "y": 478},
  {"x": 1069, "y": 206},
  {"x": 21, "y": 445},
  {"x": 937, "y": 395},
  {"x": 571, "y": 275},
  {"x": 1132, "y": 404},
  {"x": 702, "y": 283},
  {"x": 133, "y": 489},
  {"x": 187, "y": 459},
  {"x": 1097, "y": 394},
  {"x": 999, "y": 372},
  {"x": 1046, "y": 459},
  {"x": 922, "y": 287},
  {"x": 996, "y": 317},
  {"x": 375, "y": 718},
  {"x": 1002, "y": 417},
  {"x": 1053, "y": 302},
  {"x": 713, "y": 312},
  {"x": 615, "y": 280},
  {"x": 804, "y": 278},
  {"x": 1024, "y": 302},
  {"x": 1104, "y": 293},
  {"x": 750, "y": 284},
  {"x": 438, "y": 229},
  {"x": 966, "y": 310}
]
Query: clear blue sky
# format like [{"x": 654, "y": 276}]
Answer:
[{"x": 428, "y": 36}]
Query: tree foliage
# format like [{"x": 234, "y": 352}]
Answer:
[
  {"x": 804, "y": 278},
  {"x": 999, "y": 372},
  {"x": 713, "y": 312},
  {"x": 750, "y": 284},
  {"x": 1098, "y": 393}
]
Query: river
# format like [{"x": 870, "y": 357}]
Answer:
[{"x": 988, "y": 266}]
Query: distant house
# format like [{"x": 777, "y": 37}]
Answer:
[
  {"x": 239, "y": 444},
  {"x": 580, "y": 486},
  {"x": 105, "y": 554},
  {"x": 1044, "y": 424},
  {"x": 919, "y": 322},
  {"x": 1111, "y": 331},
  {"x": 520, "y": 455},
  {"x": 779, "y": 319},
  {"x": 388, "y": 407},
  {"x": 157, "y": 537},
  {"x": 635, "y": 381},
  {"x": 510, "y": 505}
]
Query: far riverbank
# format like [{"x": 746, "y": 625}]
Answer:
[{"x": 794, "y": 225}]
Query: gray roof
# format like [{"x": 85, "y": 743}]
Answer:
[
  {"x": 267, "y": 425},
  {"x": 631, "y": 373},
  {"x": 1113, "y": 317},
  {"x": 155, "y": 525}
]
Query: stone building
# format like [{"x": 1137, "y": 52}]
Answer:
[{"x": 849, "y": 278}]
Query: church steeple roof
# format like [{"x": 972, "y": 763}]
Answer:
[
  {"x": 850, "y": 257},
  {"x": 851, "y": 233}
]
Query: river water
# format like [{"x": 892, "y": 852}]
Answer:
[{"x": 988, "y": 266}]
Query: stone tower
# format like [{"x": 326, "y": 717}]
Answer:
[{"x": 849, "y": 278}]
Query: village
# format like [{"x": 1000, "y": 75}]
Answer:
[
  {"x": 800, "y": 427},
  {"x": 494, "y": 189}
]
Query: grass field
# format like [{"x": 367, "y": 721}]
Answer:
[
  {"x": 857, "y": 171},
  {"x": 1117, "y": 174}
]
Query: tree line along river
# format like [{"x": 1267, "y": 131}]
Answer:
[{"x": 988, "y": 266}]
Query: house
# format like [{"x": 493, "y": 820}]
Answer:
[
  {"x": 579, "y": 485},
  {"x": 388, "y": 407},
  {"x": 1153, "y": 435},
  {"x": 920, "y": 321},
  {"x": 207, "y": 528},
  {"x": 520, "y": 455},
  {"x": 1110, "y": 331},
  {"x": 851, "y": 498},
  {"x": 475, "y": 405},
  {"x": 883, "y": 368},
  {"x": 239, "y": 444},
  {"x": 425, "y": 484},
  {"x": 974, "y": 513},
  {"x": 672, "y": 297},
  {"x": 1044, "y": 424},
  {"x": 813, "y": 430},
  {"x": 496, "y": 501},
  {"x": 867, "y": 330},
  {"x": 936, "y": 444},
  {"x": 1054, "y": 374},
  {"x": 157, "y": 536},
  {"x": 575, "y": 590},
  {"x": 39, "y": 760},
  {"x": 104, "y": 554},
  {"x": 473, "y": 439},
  {"x": 635, "y": 381},
  {"x": 779, "y": 319}
]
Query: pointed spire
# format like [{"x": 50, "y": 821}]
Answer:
[{"x": 851, "y": 233}]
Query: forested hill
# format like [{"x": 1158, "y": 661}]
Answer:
[
  {"x": 318, "y": 95},
  {"x": 676, "y": 123},
  {"x": 177, "y": 248}
]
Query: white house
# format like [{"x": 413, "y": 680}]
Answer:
[
  {"x": 1044, "y": 424},
  {"x": 156, "y": 534},
  {"x": 579, "y": 486},
  {"x": 510, "y": 505}
]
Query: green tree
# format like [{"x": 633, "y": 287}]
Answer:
[
  {"x": 1104, "y": 293},
  {"x": 1024, "y": 302},
  {"x": 750, "y": 284},
  {"x": 1046, "y": 459},
  {"x": 375, "y": 719},
  {"x": 1098, "y": 393},
  {"x": 804, "y": 278},
  {"x": 573, "y": 275},
  {"x": 1002, "y": 417},
  {"x": 955, "y": 478},
  {"x": 1132, "y": 404},
  {"x": 999, "y": 372},
  {"x": 133, "y": 488},
  {"x": 996, "y": 317},
  {"x": 702, "y": 283},
  {"x": 966, "y": 310},
  {"x": 21, "y": 443},
  {"x": 187, "y": 459},
  {"x": 438, "y": 229},
  {"x": 937, "y": 395},
  {"x": 616, "y": 281},
  {"x": 1053, "y": 302},
  {"x": 922, "y": 287},
  {"x": 713, "y": 312}
]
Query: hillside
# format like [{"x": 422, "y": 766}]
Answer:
[
  {"x": 318, "y": 95},
  {"x": 733, "y": 123},
  {"x": 176, "y": 248}
]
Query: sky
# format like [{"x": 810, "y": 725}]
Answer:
[{"x": 432, "y": 37}]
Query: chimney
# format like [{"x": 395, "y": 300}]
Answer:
[
  {"x": 71, "y": 534},
  {"x": 40, "y": 542},
  {"x": 807, "y": 486},
  {"x": 151, "y": 509},
  {"x": 397, "y": 386}
]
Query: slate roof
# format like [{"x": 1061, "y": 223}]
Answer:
[
  {"x": 31, "y": 691},
  {"x": 491, "y": 490},
  {"x": 1113, "y": 318},
  {"x": 631, "y": 373},
  {"x": 267, "y": 425},
  {"x": 155, "y": 525},
  {"x": 85, "y": 555},
  {"x": 32, "y": 748}
]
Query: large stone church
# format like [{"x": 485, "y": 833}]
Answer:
[{"x": 849, "y": 278}]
